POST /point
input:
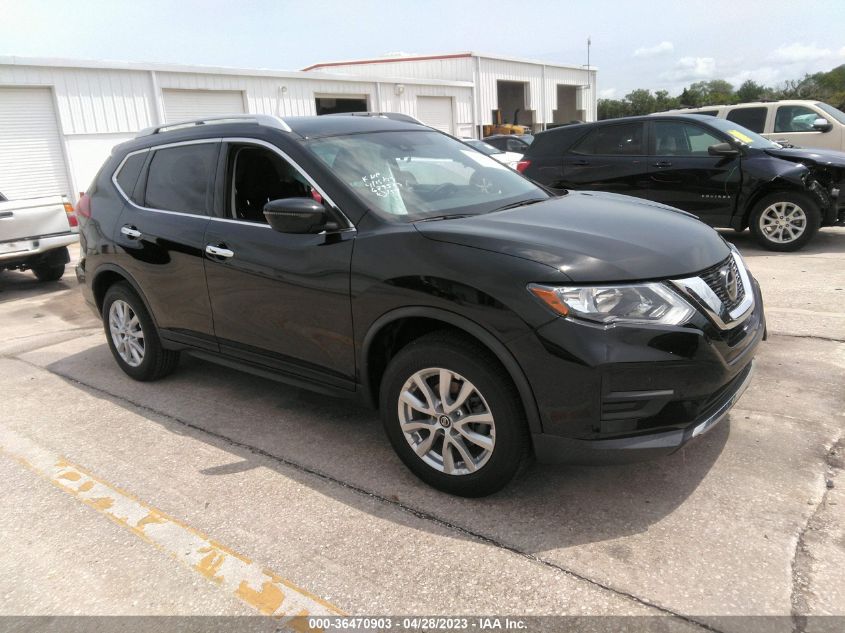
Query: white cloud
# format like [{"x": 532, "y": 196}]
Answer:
[
  {"x": 766, "y": 75},
  {"x": 691, "y": 69},
  {"x": 607, "y": 93},
  {"x": 797, "y": 52},
  {"x": 657, "y": 49}
]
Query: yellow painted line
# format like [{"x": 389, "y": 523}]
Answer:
[{"x": 266, "y": 591}]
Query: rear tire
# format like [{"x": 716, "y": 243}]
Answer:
[
  {"x": 479, "y": 457},
  {"x": 132, "y": 336},
  {"x": 785, "y": 221},
  {"x": 52, "y": 272}
]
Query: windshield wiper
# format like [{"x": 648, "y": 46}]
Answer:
[
  {"x": 521, "y": 203},
  {"x": 448, "y": 216}
]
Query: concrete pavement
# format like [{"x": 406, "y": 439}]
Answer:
[{"x": 742, "y": 522}]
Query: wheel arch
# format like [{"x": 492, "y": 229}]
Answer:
[
  {"x": 774, "y": 186},
  {"x": 426, "y": 319},
  {"x": 109, "y": 274}
]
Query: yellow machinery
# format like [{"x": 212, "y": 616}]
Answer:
[{"x": 505, "y": 128}]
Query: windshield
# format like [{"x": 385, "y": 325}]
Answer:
[
  {"x": 417, "y": 174},
  {"x": 837, "y": 114},
  {"x": 484, "y": 148},
  {"x": 741, "y": 134}
]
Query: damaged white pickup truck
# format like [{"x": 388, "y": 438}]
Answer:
[{"x": 35, "y": 234}]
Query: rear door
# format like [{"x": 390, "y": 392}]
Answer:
[
  {"x": 683, "y": 174},
  {"x": 160, "y": 235},
  {"x": 609, "y": 158},
  {"x": 280, "y": 300}
]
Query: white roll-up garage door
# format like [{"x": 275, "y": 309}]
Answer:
[
  {"x": 32, "y": 163},
  {"x": 436, "y": 112},
  {"x": 184, "y": 105}
]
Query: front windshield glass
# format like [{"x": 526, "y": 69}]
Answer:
[
  {"x": 417, "y": 174},
  {"x": 837, "y": 114},
  {"x": 740, "y": 134}
]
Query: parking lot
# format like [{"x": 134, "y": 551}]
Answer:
[{"x": 276, "y": 499}]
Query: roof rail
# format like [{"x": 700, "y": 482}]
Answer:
[
  {"x": 259, "y": 119},
  {"x": 394, "y": 116}
]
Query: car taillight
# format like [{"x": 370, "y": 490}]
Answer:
[
  {"x": 83, "y": 207},
  {"x": 71, "y": 217},
  {"x": 522, "y": 165}
]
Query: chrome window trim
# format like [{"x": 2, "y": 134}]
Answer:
[
  {"x": 702, "y": 296},
  {"x": 231, "y": 139}
]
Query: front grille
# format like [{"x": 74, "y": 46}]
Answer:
[{"x": 713, "y": 278}]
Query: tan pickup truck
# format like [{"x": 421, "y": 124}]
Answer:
[{"x": 35, "y": 234}]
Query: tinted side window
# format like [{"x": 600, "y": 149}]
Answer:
[
  {"x": 128, "y": 174},
  {"x": 179, "y": 177},
  {"x": 752, "y": 118},
  {"x": 681, "y": 139},
  {"x": 621, "y": 140},
  {"x": 795, "y": 118}
]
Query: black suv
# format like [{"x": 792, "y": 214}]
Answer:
[
  {"x": 374, "y": 258},
  {"x": 725, "y": 174}
]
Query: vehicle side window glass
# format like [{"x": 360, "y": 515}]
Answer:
[
  {"x": 259, "y": 175},
  {"x": 795, "y": 118},
  {"x": 622, "y": 140},
  {"x": 178, "y": 178},
  {"x": 128, "y": 174},
  {"x": 515, "y": 146},
  {"x": 752, "y": 118},
  {"x": 672, "y": 138}
]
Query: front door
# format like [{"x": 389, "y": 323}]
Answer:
[
  {"x": 279, "y": 300},
  {"x": 683, "y": 174},
  {"x": 794, "y": 124},
  {"x": 610, "y": 158}
]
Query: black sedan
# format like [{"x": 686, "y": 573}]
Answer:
[{"x": 725, "y": 174}]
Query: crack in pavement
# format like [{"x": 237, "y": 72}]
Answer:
[
  {"x": 420, "y": 514},
  {"x": 808, "y": 336},
  {"x": 802, "y": 559}
]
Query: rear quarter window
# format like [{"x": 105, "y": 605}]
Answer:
[
  {"x": 557, "y": 142},
  {"x": 127, "y": 174}
]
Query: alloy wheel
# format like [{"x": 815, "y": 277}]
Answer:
[
  {"x": 126, "y": 333},
  {"x": 783, "y": 222},
  {"x": 446, "y": 421}
]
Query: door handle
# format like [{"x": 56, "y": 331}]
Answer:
[
  {"x": 581, "y": 163},
  {"x": 131, "y": 232},
  {"x": 663, "y": 163},
  {"x": 219, "y": 251}
]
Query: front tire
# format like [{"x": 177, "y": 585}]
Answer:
[
  {"x": 132, "y": 336},
  {"x": 453, "y": 415},
  {"x": 785, "y": 221}
]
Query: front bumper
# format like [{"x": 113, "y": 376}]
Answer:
[
  {"x": 633, "y": 392},
  {"x": 556, "y": 449}
]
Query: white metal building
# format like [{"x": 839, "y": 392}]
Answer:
[
  {"x": 534, "y": 93},
  {"x": 60, "y": 118}
]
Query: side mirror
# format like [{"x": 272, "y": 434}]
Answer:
[
  {"x": 296, "y": 215},
  {"x": 722, "y": 149},
  {"x": 822, "y": 125}
]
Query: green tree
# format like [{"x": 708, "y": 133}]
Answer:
[
  {"x": 640, "y": 101},
  {"x": 750, "y": 90}
]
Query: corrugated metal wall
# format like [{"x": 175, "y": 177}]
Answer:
[
  {"x": 491, "y": 71},
  {"x": 100, "y": 107}
]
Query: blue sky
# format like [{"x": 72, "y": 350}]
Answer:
[{"x": 655, "y": 44}]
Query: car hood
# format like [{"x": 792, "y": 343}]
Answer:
[
  {"x": 592, "y": 237},
  {"x": 810, "y": 156}
]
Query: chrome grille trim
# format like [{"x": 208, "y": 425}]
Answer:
[{"x": 724, "y": 314}]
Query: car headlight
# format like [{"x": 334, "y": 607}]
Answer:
[{"x": 606, "y": 305}]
